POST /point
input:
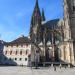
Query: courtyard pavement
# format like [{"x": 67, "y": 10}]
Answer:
[{"x": 41, "y": 71}]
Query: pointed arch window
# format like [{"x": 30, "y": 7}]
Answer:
[{"x": 73, "y": 5}]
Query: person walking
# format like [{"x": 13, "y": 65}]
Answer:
[{"x": 54, "y": 68}]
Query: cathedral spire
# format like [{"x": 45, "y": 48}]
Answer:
[
  {"x": 36, "y": 16},
  {"x": 37, "y": 3},
  {"x": 43, "y": 15}
]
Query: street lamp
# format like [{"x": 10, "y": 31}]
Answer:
[{"x": 36, "y": 59}]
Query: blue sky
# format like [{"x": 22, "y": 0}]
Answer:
[{"x": 15, "y": 16}]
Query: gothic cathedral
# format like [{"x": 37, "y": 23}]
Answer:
[{"x": 54, "y": 39}]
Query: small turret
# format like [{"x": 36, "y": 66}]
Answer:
[{"x": 43, "y": 16}]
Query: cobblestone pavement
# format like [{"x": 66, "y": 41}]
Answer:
[{"x": 41, "y": 71}]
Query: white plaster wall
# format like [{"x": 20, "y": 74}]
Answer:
[{"x": 18, "y": 56}]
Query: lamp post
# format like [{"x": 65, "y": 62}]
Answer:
[
  {"x": 44, "y": 40},
  {"x": 36, "y": 59}
]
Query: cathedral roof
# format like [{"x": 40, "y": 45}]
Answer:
[
  {"x": 51, "y": 24},
  {"x": 20, "y": 40}
]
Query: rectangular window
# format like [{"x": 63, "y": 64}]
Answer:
[
  {"x": 21, "y": 45},
  {"x": 26, "y": 45},
  {"x": 20, "y": 52},
  {"x": 10, "y": 52},
  {"x": 5, "y": 58},
  {"x": 5, "y": 52},
  {"x": 25, "y": 59},
  {"x": 20, "y": 59},
  {"x": 15, "y": 58},
  {"x": 7, "y": 46},
  {"x": 11, "y": 45},
  {"x": 16, "y": 53},
  {"x": 17, "y": 45},
  {"x": 10, "y": 59},
  {"x": 26, "y": 52}
]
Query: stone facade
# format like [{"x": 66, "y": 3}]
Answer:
[
  {"x": 69, "y": 29},
  {"x": 60, "y": 45}
]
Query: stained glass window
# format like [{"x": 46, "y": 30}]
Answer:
[{"x": 73, "y": 5}]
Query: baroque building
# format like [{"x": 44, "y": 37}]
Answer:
[
  {"x": 16, "y": 52},
  {"x": 49, "y": 41}
]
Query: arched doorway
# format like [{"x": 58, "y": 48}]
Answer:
[
  {"x": 56, "y": 54},
  {"x": 47, "y": 55}
]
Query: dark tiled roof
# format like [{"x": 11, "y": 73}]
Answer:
[
  {"x": 20, "y": 40},
  {"x": 2, "y": 42},
  {"x": 51, "y": 24}
]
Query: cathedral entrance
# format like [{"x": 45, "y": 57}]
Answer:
[
  {"x": 47, "y": 56},
  {"x": 56, "y": 54}
]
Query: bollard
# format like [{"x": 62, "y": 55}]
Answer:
[
  {"x": 60, "y": 66},
  {"x": 69, "y": 65},
  {"x": 54, "y": 68},
  {"x": 51, "y": 65}
]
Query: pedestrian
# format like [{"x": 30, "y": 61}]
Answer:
[
  {"x": 36, "y": 59},
  {"x": 60, "y": 66},
  {"x": 54, "y": 68},
  {"x": 65, "y": 67}
]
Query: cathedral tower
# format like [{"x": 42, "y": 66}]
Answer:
[
  {"x": 43, "y": 16},
  {"x": 69, "y": 31},
  {"x": 35, "y": 28}
]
